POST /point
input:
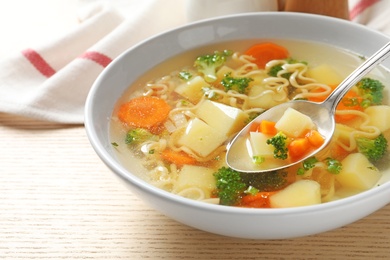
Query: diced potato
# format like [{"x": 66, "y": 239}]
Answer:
[
  {"x": 259, "y": 147},
  {"x": 196, "y": 176},
  {"x": 379, "y": 117},
  {"x": 294, "y": 123},
  {"x": 300, "y": 193},
  {"x": 259, "y": 98},
  {"x": 325, "y": 74},
  {"x": 259, "y": 144},
  {"x": 192, "y": 89},
  {"x": 358, "y": 172},
  {"x": 225, "y": 119},
  {"x": 201, "y": 138}
]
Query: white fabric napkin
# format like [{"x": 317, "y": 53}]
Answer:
[{"x": 51, "y": 81}]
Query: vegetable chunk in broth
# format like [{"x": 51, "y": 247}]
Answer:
[{"x": 172, "y": 125}]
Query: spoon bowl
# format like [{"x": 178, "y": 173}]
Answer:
[{"x": 322, "y": 115}]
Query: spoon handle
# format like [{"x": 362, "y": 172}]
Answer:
[{"x": 361, "y": 71}]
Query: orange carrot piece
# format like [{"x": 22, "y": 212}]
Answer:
[
  {"x": 145, "y": 112},
  {"x": 315, "y": 138},
  {"x": 254, "y": 127},
  {"x": 267, "y": 127},
  {"x": 320, "y": 98},
  {"x": 265, "y": 52},
  {"x": 178, "y": 158},
  {"x": 298, "y": 147},
  {"x": 259, "y": 200},
  {"x": 343, "y": 106}
]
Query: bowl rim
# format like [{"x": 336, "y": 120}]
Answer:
[{"x": 124, "y": 174}]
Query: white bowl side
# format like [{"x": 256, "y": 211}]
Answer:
[{"x": 231, "y": 221}]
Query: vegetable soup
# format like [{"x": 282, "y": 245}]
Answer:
[{"x": 172, "y": 125}]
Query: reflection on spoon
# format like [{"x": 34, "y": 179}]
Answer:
[{"x": 239, "y": 157}]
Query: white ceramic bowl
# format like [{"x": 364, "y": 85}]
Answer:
[{"x": 231, "y": 221}]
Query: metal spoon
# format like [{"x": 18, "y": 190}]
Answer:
[{"x": 322, "y": 115}]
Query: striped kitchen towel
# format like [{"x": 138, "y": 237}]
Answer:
[
  {"x": 51, "y": 82},
  {"x": 374, "y": 14}
]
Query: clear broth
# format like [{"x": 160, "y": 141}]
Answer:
[{"x": 314, "y": 53}]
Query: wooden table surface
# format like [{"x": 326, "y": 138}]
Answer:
[{"x": 59, "y": 201}]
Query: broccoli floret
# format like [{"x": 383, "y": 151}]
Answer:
[
  {"x": 273, "y": 72},
  {"x": 139, "y": 135},
  {"x": 371, "y": 91},
  {"x": 238, "y": 84},
  {"x": 258, "y": 159},
  {"x": 279, "y": 142},
  {"x": 229, "y": 186},
  {"x": 333, "y": 166},
  {"x": 265, "y": 181},
  {"x": 233, "y": 185},
  {"x": 307, "y": 165},
  {"x": 185, "y": 75},
  {"x": 209, "y": 63},
  {"x": 373, "y": 149}
]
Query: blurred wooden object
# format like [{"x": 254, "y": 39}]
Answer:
[{"x": 335, "y": 8}]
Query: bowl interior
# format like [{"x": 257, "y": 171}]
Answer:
[{"x": 133, "y": 63}]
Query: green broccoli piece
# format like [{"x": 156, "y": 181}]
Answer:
[
  {"x": 233, "y": 185},
  {"x": 209, "y": 63},
  {"x": 238, "y": 84},
  {"x": 265, "y": 181},
  {"x": 229, "y": 186},
  {"x": 273, "y": 72},
  {"x": 251, "y": 190},
  {"x": 279, "y": 141},
  {"x": 307, "y": 165},
  {"x": 185, "y": 75},
  {"x": 139, "y": 135},
  {"x": 371, "y": 91},
  {"x": 334, "y": 166},
  {"x": 258, "y": 159},
  {"x": 373, "y": 149}
]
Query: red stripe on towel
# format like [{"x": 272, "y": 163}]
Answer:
[
  {"x": 97, "y": 57},
  {"x": 38, "y": 62},
  {"x": 360, "y": 7}
]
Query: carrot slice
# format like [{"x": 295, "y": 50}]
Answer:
[
  {"x": 319, "y": 90},
  {"x": 315, "y": 138},
  {"x": 343, "y": 105},
  {"x": 178, "y": 158},
  {"x": 145, "y": 112},
  {"x": 265, "y": 52},
  {"x": 267, "y": 127},
  {"x": 254, "y": 127},
  {"x": 298, "y": 147},
  {"x": 259, "y": 200}
]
